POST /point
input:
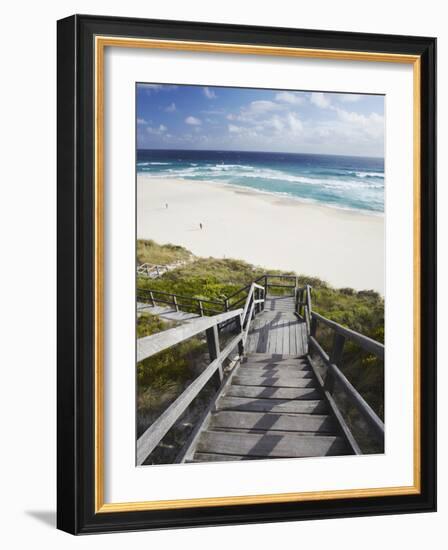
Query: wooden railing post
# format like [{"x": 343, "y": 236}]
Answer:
[
  {"x": 201, "y": 308},
  {"x": 338, "y": 349},
  {"x": 226, "y": 304},
  {"x": 313, "y": 326},
  {"x": 255, "y": 297},
  {"x": 335, "y": 358},
  {"x": 176, "y": 306},
  {"x": 151, "y": 295},
  {"x": 157, "y": 271},
  {"x": 213, "y": 346},
  {"x": 239, "y": 327}
]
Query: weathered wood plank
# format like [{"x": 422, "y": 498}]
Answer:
[
  {"x": 272, "y": 393},
  {"x": 270, "y": 444},
  {"x": 273, "y": 357},
  {"x": 276, "y": 370},
  {"x": 253, "y": 337},
  {"x": 339, "y": 419},
  {"x": 271, "y": 338},
  {"x": 149, "y": 440},
  {"x": 365, "y": 342},
  {"x": 165, "y": 312},
  {"x": 273, "y": 422},
  {"x": 304, "y": 339},
  {"x": 274, "y": 381},
  {"x": 150, "y": 345},
  {"x": 260, "y": 377},
  {"x": 299, "y": 341},
  {"x": 286, "y": 341},
  {"x": 363, "y": 407},
  {"x": 272, "y": 405},
  {"x": 210, "y": 457},
  {"x": 280, "y": 363}
]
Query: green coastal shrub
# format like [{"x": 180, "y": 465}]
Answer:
[{"x": 216, "y": 279}]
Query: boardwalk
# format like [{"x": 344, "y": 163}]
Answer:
[
  {"x": 272, "y": 408},
  {"x": 166, "y": 313},
  {"x": 278, "y": 329},
  {"x": 273, "y": 402},
  {"x": 272, "y": 405}
]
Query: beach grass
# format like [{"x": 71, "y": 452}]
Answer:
[
  {"x": 148, "y": 251},
  {"x": 362, "y": 311},
  {"x": 161, "y": 378}
]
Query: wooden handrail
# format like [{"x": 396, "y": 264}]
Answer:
[
  {"x": 225, "y": 304},
  {"x": 149, "y": 440},
  {"x": 250, "y": 303},
  {"x": 368, "y": 344},
  {"x": 355, "y": 397},
  {"x": 331, "y": 361},
  {"x": 277, "y": 285},
  {"x": 180, "y": 296},
  {"x": 269, "y": 275},
  {"x": 247, "y": 287},
  {"x": 150, "y": 345}
]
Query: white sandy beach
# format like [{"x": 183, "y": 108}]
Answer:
[{"x": 342, "y": 247}]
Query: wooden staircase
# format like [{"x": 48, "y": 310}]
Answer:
[
  {"x": 273, "y": 401},
  {"x": 271, "y": 407}
]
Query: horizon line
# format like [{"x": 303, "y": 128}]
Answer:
[{"x": 252, "y": 151}]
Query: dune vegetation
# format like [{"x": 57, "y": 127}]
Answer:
[{"x": 217, "y": 279}]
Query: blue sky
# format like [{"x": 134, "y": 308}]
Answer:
[{"x": 248, "y": 119}]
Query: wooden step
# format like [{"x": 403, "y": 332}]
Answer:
[
  {"x": 273, "y": 381},
  {"x": 273, "y": 422},
  {"x": 270, "y": 444},
  {"x": 272, "y": 405},
  {"x": 297, "y": 363},
  {"x": 213, "y": 457},
  {"x": 274, "y": 357},
  {"x": 235, "y": 390},
  {"x": 275, "y": 369},
  {"x": 281, "y": 380},
  {"x": 275, "y": 372}
]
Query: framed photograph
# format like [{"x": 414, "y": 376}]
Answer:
[{"x": 246, "y": 267}]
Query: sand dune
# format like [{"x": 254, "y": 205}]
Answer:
[{"x": 342, "y": 247}]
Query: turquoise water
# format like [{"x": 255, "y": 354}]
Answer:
[{"x": 354, "y": 183}]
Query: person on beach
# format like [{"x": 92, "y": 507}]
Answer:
[
  {"x": 166, "y": 205},
  {"x": 200, "y": 225}
]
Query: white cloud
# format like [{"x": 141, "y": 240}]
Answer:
[
  {"x": 289, "y": 97},
  {"x": 158, "y": 87},
  {"x": 233, "y": 129},
  {"x": 141, "y": 121},
  {"x": 349, "y": 98},
  {"x": 192, "y": 120},
  {"x": 157, "y": 131},
  {"x": 252, "y": 113},
  {"x": 213, "y": 111},
  {"x": 209, "y": 94},
  {"x": 262, "y": 106},
  {"x": 320, "y": 100},
  {"x": 171, "y": 108},
  {"x": 295, "y": 124},
  {"x": 275, "y": 122}
]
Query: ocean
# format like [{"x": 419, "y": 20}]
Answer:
[{"x": 353, "y": 183}]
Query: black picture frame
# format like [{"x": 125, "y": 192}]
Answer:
[{"x": 76, "y": 512}]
